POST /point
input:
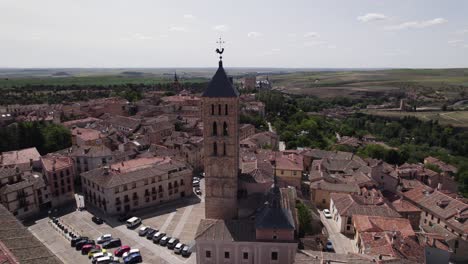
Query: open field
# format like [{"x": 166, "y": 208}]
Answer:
[
  {"x": 454, "y": 118},
  {"x": 437, "y": 84}
]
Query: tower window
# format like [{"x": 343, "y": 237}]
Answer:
[
  {"x": 219, "y": 109},
  {"x": 212, "y": 109},
  {"x": 225, "y": 109},
  {"x": 208, "y": 254},
  {"x": 274, "y": 255},
  {"x": 224, "y": 149},
  {"x": 225, "y": 131},
  {"x": 215, "y": 149},
  {"x": 215, "y": 129},
  {"x": 226, "y": 254},
  {"x": 246, "y": 255}
]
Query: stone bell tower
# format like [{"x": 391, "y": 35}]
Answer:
[{"x": 221, "y": 145}]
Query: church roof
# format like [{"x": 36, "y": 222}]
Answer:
[
  {"x": 273, "y": 215},
  {"x": 220, "y": 85}
]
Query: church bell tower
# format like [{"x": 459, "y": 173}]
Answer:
[{"x": 221, "y": 144}]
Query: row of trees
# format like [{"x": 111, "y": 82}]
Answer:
[{"x": 45, "y": 137}]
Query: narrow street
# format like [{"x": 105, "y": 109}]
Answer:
[{"x": 341, "y": 243}]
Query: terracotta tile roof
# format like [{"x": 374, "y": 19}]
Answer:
[
  {"x": 391, "y": 246},
  {"x": 442, "y": 165},
  {"x": 334, "y": 187},
  {"x": 349, "y": 205},
  {"x": 225, "y": 230},
  {"x": 81, "y": 122},
  {"x": 430, "y": 200},
  {"x": 19, "y": 156},
  {"x": 366, "y": 223},
  {"x": 57, "y": 161},
  {"x": 401, "y": 205},
  {"x": 21, "y": 243},
  {"x": 289, "y": 162},
  {"x": 90, "y": 151},
  {"x": 87, "y": 134}
]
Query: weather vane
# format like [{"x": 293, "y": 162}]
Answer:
[{"x": 220, "y": 50}]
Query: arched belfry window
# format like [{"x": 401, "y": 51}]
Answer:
[
  {"x": 219, "y": 109},
  {"x": 224, "y": 149},
  {"x": 215, "y": 149},
  {"x": 225, "y": 130},
  {"x": 212, "y": 109},
  {"x": 225, "y": 109},
  {"x": 215, "y": 129}
]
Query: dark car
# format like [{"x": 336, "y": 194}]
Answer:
[
  {"x": 186, "y": 251},
  {"x": 150, "y": 233},
  {"x": 172, "y": 243},
  {"x": 81, "y": 243},
  {"x": 76, "y": 240},
  {"x": 133, "y": 258},
  {"x": 123, "y": 217},
  {"x": 158, "y": 237},
  {"x": 164, "y": 240},
  {"x": 112, "y": 243},
  {"x": 97, "y": 220}
]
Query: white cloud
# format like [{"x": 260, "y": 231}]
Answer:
[
  {"x": 314, "y": 43},
  {"x": 418, "y": 24},
  {"x": 222, "y": 28},
  {"x": 369, "y": 17},
  {"x": 332, "y": 46},
  {"x": 177, "y": 28},
  {"x": 455, "y": 41},
  {"x": 311, "y": 35},
  {"x": 254, "y": 34},
  {"x": 189, "y": 16},
  {"x": 462, "y": 32},
  {"x": 140, "y": 36}
]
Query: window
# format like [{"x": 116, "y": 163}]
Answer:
[
  {"x": 208, "y": 254},
  {"x": 215, "y": 149},
  {"x": 219, "y": 109},
  {"x": 226, "y": 254},
  {"x": 282, "y": 172},
  {"x": 274, "y": 255},
  {"x": 69, "y": 188},
  {"x": 212, "y": 109},
  {"x": 181, "y": 182},
  {"x": 245, "y": 255},
  {"x": 348, "y": 227},
  {"x": 224, "y": 149},
  {"x": 215, "y": 129},
  {"x": 225, "y": 131},
  {"x": 225, "y": 109}
]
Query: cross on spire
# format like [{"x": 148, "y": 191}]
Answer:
[{"x": 220, "y": 50}]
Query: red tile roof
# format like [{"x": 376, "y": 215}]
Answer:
[{"x": 365, "y": 223}]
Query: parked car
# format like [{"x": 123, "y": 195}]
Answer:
[
  {"x": 172, "y": 243},
  {"x": 132, "y": 251},
  {"x": 100, "y": 255},
  {"x": 133, "y": 222},
  {"x": 76, "y": 240},
  {"x": 95, "y": 251},
  {"x": 196, "y": 183},
  {"x": 97, "y": 220},
  {"x": 158, "y": 237},
  {"x": 143, "y": 230},
  {"x": 178, "y": 248},
  {"x": 105, "y": 260},
  {"x": 327, "y": 213},
  {"x": 198, "y": 191},
  {"x": 113, "y": 243},
  {"x": 86, "y": 248},
  {"x": 92, "y": 253},
  {"x": 104, "y": 238},
  {"x": 81, "y": 243},
  {"x": 329, "y": 246},
  {"x": 121, "y": 250},
  {"x": 150, "y": 233},
  {"x": 164, "y": 240},
  {"x": 133, "y": 258},
  {"x": 186, "y": 251}
]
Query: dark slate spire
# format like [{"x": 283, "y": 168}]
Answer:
[{"x": 220, "y": 85}]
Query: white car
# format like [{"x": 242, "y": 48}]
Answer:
[
  {"x": 327, "y": 213},
  {"x": 100, "y": 255},
  {"x": 104, "y": 238},
  {"x": 133, "y": 250}
]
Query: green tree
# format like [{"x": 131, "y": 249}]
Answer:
[{"x": 305, "y": 219}]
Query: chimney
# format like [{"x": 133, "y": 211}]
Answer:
[{"x": 439, "y": 186}]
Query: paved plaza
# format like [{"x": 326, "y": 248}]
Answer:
[{"x": 179, "y": 219}]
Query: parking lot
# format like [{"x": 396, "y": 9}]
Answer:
[{"x": 178, "y": 219}]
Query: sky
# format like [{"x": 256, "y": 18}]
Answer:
[{"x": 257, "y": 33}]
